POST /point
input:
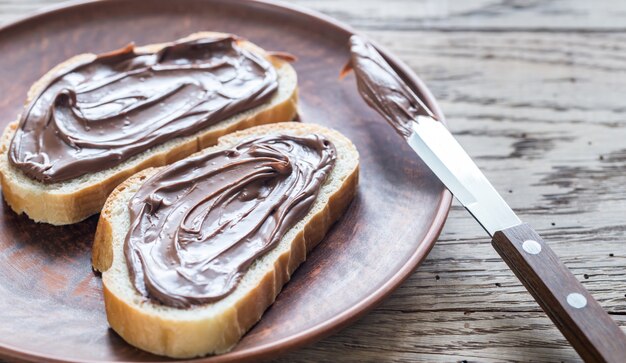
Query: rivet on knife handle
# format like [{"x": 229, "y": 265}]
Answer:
[{"x": 584, "y": 323}]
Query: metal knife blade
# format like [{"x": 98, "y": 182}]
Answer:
[{"x": 432, "y": 141}]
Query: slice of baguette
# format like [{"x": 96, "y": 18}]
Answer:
[
  {"x": 216, "y": 327},
  {"x": 74, "y": 200}
]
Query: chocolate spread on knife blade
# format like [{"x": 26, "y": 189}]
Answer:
[
  {"x": 197, "y": 225},
  {"x": 96, "y": 114},
  {"x": 382, "y": 88}
]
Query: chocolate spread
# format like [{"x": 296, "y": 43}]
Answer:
[
  {"x": 102, "y": 111},
  {"x": 198, "y": 225},
  {"x": 382, "y": 88}
]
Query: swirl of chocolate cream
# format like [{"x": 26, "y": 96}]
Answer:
[
  {"x": 197, "y": 225},
  {"x": 100, "y": 112},
  {"x": 382, "y": 88}
]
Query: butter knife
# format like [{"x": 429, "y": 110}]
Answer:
[{"x": 583, "y": 322}]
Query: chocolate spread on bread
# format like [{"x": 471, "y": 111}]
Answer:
[
  {"x": 100, "y": 111},
  {"x": 382, "y": 88},
  {"x": 197, "y": 226}
]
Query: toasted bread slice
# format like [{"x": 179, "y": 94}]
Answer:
[
  {"x": 76, "y": 199},
  {"x": 216, "y": 327}
]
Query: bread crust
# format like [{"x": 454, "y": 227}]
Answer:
[
  {"x": 61, "y": 204},
  {"x": 212, "y": 333}
]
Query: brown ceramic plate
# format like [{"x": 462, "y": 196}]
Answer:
[{"x": 50, "y": 301}]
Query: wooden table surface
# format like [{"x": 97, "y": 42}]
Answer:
[{"x": 534, "y": 90}]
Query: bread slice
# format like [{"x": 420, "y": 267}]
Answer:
[
  {"x": 216, "y": 327},
  {"x": 76, "y": 199}
]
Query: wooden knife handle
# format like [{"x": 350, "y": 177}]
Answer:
[{"x": 583, "y": 322}]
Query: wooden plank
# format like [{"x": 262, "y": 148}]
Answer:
[
  {"x": 438, "y": 15},
  {"x": 387, "y": 335},
  {"x": 487, "y": 15}
]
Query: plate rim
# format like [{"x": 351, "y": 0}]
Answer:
[{"x": 346, "y": 317}]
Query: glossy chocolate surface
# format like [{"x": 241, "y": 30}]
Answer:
[
  {"x": 197, "y": 225},
  {"x": 382, "y": 88},
  {"x": 99, "y": 112}
]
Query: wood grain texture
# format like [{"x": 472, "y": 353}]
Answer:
[
  {"x": 533, "y": 91},
  {"x": 580, "y": 318}
]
